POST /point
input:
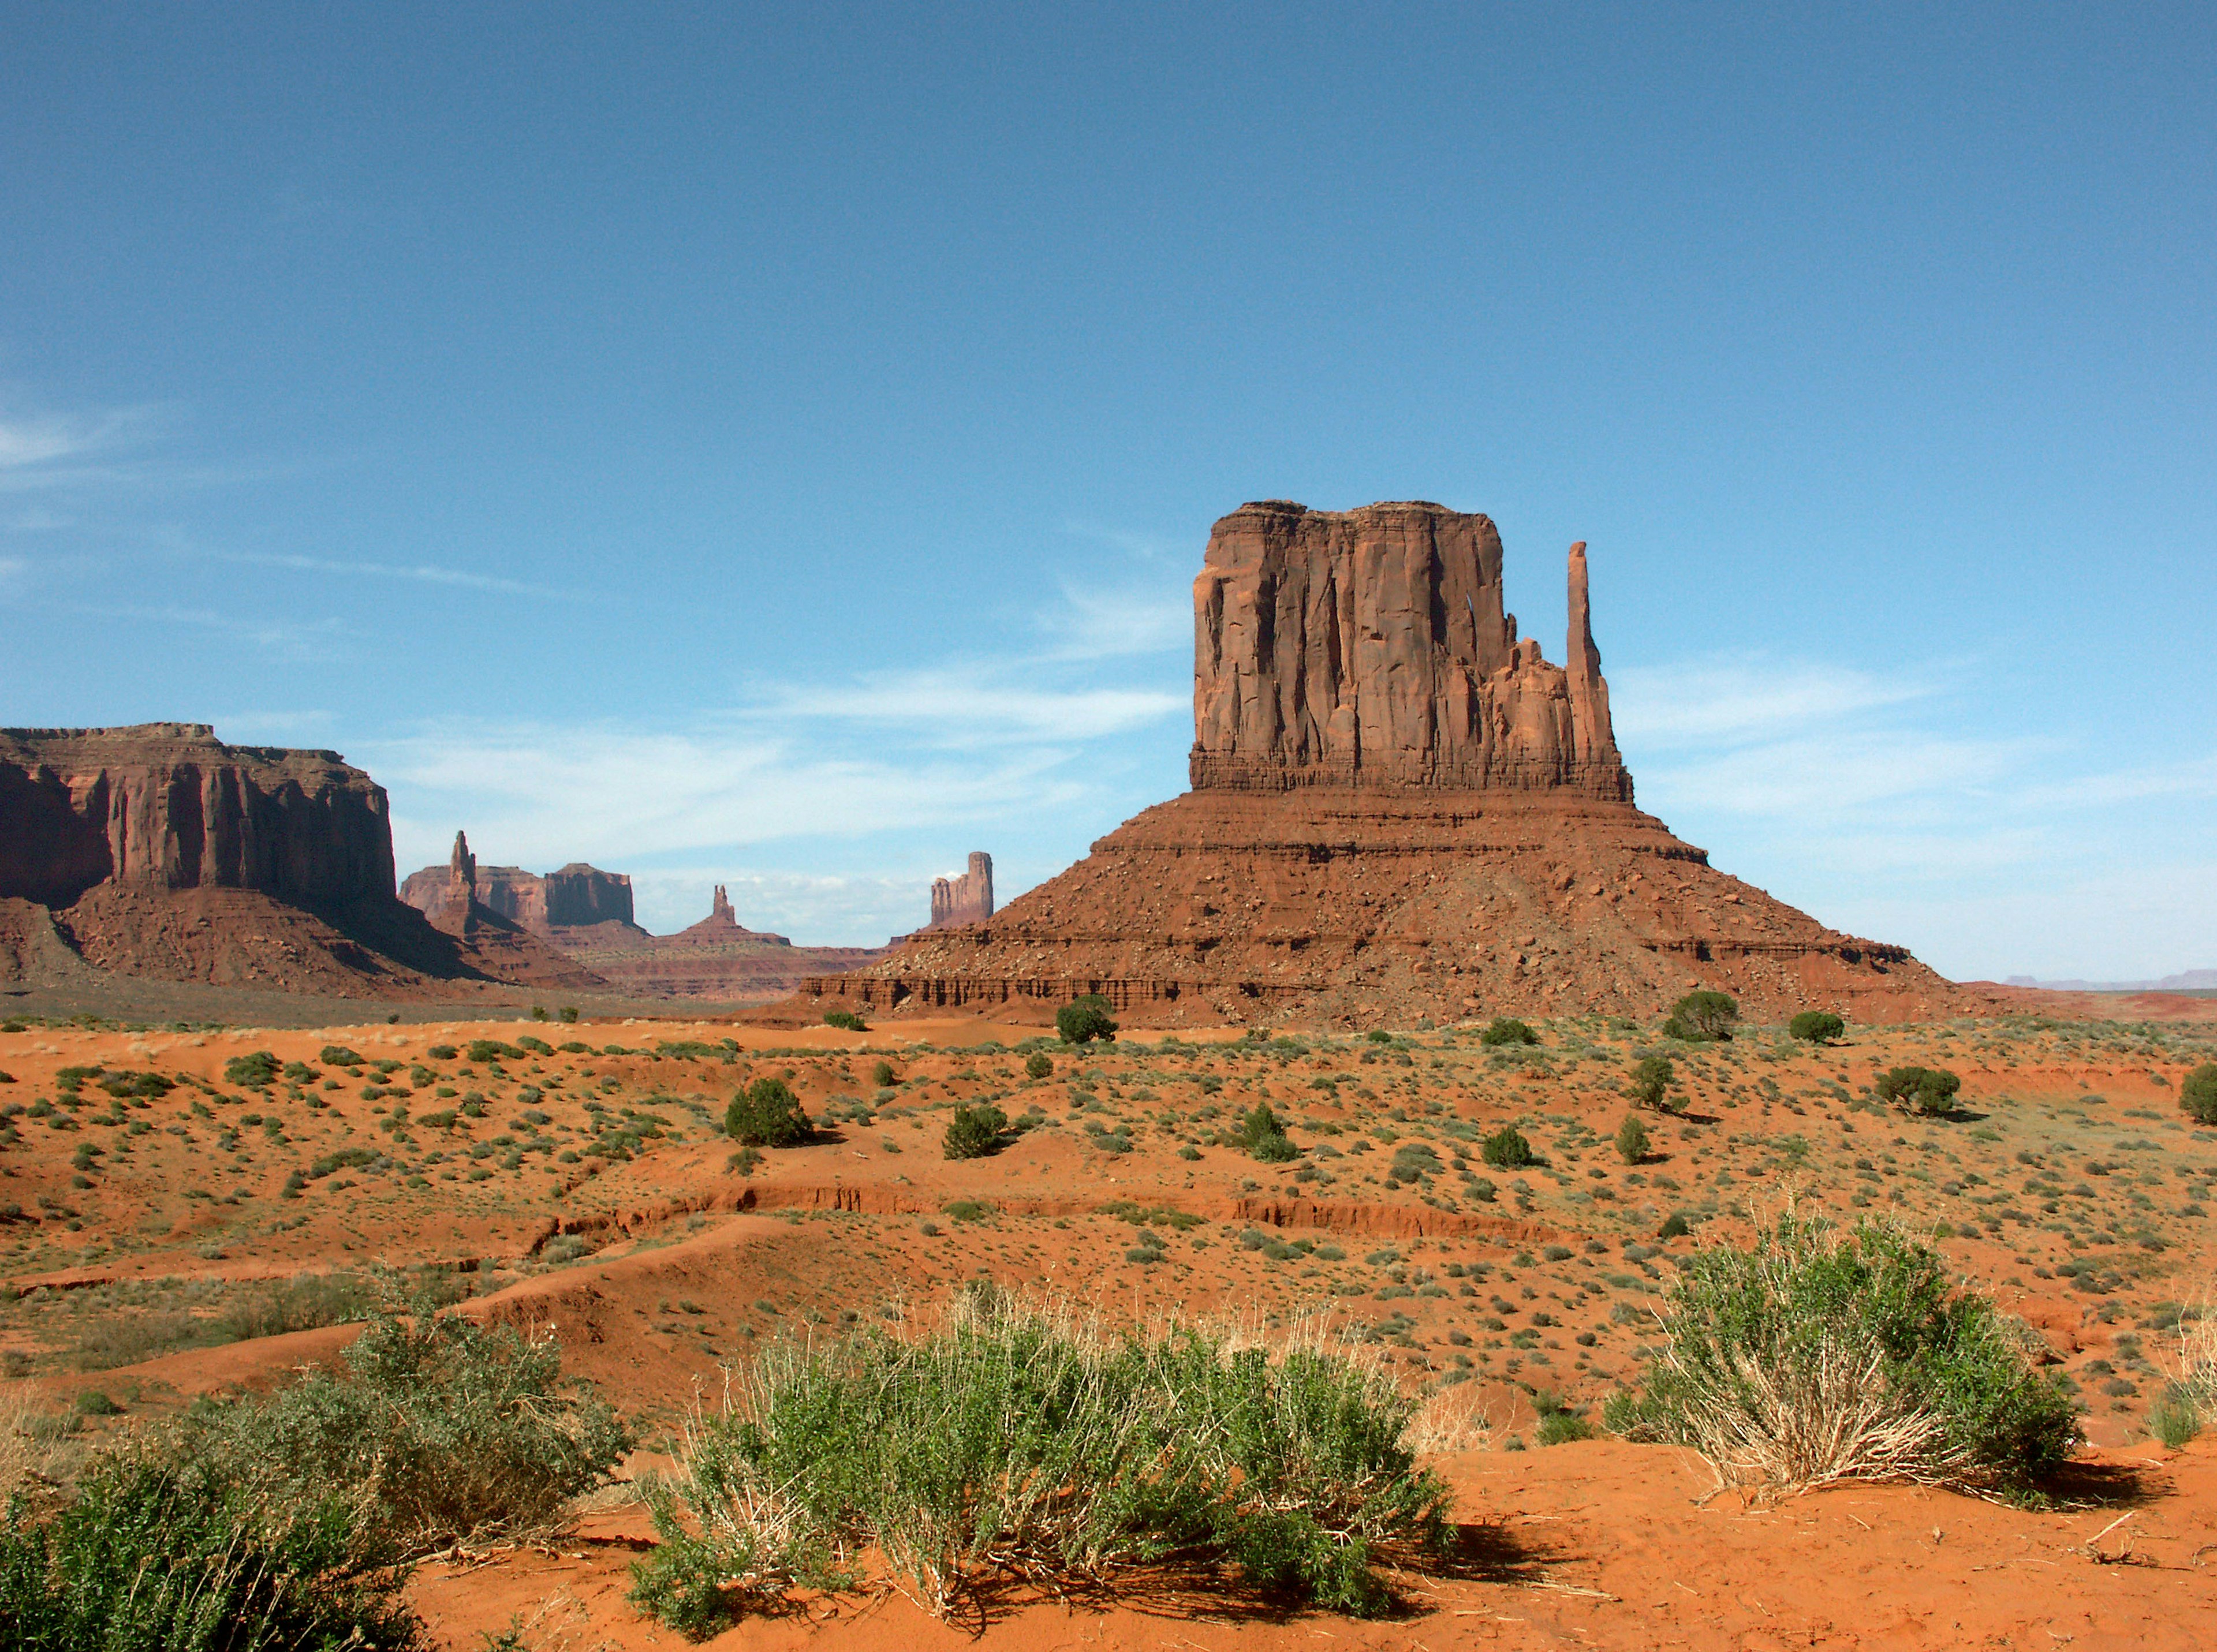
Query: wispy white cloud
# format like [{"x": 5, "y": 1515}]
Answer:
[
  {"x": 1720, "y": 701},
  {"x": 973, "y": 704},
  {"x": 1094, "y": 623},
  {"x": 292, "y": 638},
  {"x": 424, "y": 573}
]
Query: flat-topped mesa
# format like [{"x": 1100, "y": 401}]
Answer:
[
  {"x": 169, "y": 806},
  {"x": 1370, "y": 648},
  {"x": 965, "y": 899}
]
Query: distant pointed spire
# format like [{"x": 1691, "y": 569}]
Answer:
[{"x": 721, "y": 906}]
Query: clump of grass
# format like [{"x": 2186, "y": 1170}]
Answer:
[
  {"x": 1015, "y": 1438},
  {"x": 2189, "y": 1402},
  {"x": 1819, "y": 1356}
]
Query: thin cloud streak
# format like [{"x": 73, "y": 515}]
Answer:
[{"x": 425, "y": 573}]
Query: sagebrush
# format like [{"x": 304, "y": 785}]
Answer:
[{"x": 1020, "y": 1440}]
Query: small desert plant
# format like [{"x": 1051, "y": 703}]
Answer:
[
  {"x": 337, "y": 1055},
  {"x": 1632, "y": 1139},
  {"x": 255, "y": 1070},
  {"x": 1818, "y": 1356},
  {"x": 974, "y": 1131},
  {"x": 767, "y": 1113},
  {"x": 1017, "y": 1440},
  {"x": 846, "y": 1021},
  {"x": 1506, "y": 1149},
  {"x": 1651, "y": 1083},
  {"x": 2198, "y": 1094},
  {"x": 1263, "y": 1135},
  {"x": 1702, "y": 1016},
  {"x": 2190, "y": 1402},
  {"x": 883, "y": 1076},
  {"x": 1038, "y": 1064},
  {"x": 1506, "y": 1030},
  {"x": 1816, "y": 1026},
  {"x": 1930, "y": 1091},
  {"x": 181, "y": 1557},
  {"x": 444, "y": 1428},
  {"x": 1084, "y": 1020}
]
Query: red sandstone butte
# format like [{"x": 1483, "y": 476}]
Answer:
[
  {"x": 1398, "y": 808},
  {"x": 965, "y": 899}
]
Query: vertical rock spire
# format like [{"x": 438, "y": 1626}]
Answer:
[{"x": 1592, "y": 730}]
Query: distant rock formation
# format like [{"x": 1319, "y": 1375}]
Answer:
[
  {"x": 715, "y": 959},
  {"x": 965, "y": 899},
  {"x": 1371, "y": 647},
  {"x": 577, "y": 895},
  {"x": 158, "y": 850},
  {"x": 1398, "y": 809}
]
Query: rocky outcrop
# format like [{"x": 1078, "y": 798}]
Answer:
[
  {"x": 167, "y": 806},
  {"x": 576, "y": 896},
  {"x": 1371, "y": 647},
  {"x": 158, "y": 851},
  {"x": 965, "y": 899},
  {"x": 1399, "y": 809}
]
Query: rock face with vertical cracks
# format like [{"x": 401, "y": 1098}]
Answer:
[
  {"x": 1371, "y": 647},
  {"x": 1398, "y": 808}
]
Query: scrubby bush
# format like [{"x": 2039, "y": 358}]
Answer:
[
  {"x": 974, "y": 1131},
  {"x": 1016, "y": 1441},
  {"x": 2198, "y": 1094},
  {"x": 1819, "y": 1356},
  {"x": 1506, "y": 1030},
  {"x": 1702, "y": 1016},
  {"x": 1038, "y": 1064},
  {"x": 1506, "y": 1149},
  {"x": 767, "y": 1113},
  {"x": 1930, "y": 1091},
  {"x": 1263, "y": 1133},
  {"x": 1084, "y": 1020},
  {"x": 337, "y": 1055},
  {"x": 846, "y": 1021},
  {"x": 1632, "y": 1139},
  {"x": 1816, "y": 1026},
  {"x": 255, "y": 1070},
  {"x": 182, "y": 1557},
  {"x": 1651, "y": 1084},
  {"x": 447, "y": 1429},
  {"x": 883, "y": 1076}
]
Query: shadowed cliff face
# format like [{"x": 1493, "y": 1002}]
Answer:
[
  {"x": 1370, "y": 647},
  {"x": 167, "y": 806}
]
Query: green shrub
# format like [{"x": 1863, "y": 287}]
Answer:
[
  {"x": 2197, "y": 1094},
  {"x": 175, "y": 1557},
  {"x": 1084, "y": 1019},
  {"x": 1651, "y": 1084},
  {"x": 1816, "y": 1026},
  {"x": 441, "y": 1052},
  {"x": 1016, "y": 1442},
  {"x": 1507, "y": 1030},
  {"x": 846, "y": 1021},
  {"x": 446, "y": 1428},
  {"x": 1675, "y": 1226},
  {"x": 1632, "y": 1139},
  {"x": 1818, "y": 1356},
  {"x": 767, "y": 1113},
  {"x": 1702, "y": 1016},
  {"x": 1038, "y": 1064},
  {"x": 337, "y": 1055},
  {"x": 1560, "y": 1428},
  {"x": 1263, "y": 1135},
  {"x": 2174, "y": 1421},
  {"x": 974, "y": 1131},
  {"x": 1930, "y": 1091},
  {"x": 256, "y": 1071},
  {"x": 1506, "y": 1149}
]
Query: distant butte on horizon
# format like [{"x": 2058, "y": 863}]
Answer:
[{"x": 1398, "y": 808}]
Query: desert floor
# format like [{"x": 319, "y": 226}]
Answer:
[{"x": 159, "y": 1242}]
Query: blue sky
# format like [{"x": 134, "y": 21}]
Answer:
[{"x": 774, "y": 447}]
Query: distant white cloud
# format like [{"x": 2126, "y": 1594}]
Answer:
[
  {"x": 46, "y": 450},
  {"x": 424, "y": 573},
  {"x": 292, "y": 638},
  {"x": 1858, "y": 798},
  {"x": 972, "y": 705},
  {"x": 1727, "y": 700},
  {"x": 1095, "y": 624}
]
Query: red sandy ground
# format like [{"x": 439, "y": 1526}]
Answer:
[{"x": 2070, "y": 1150}]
